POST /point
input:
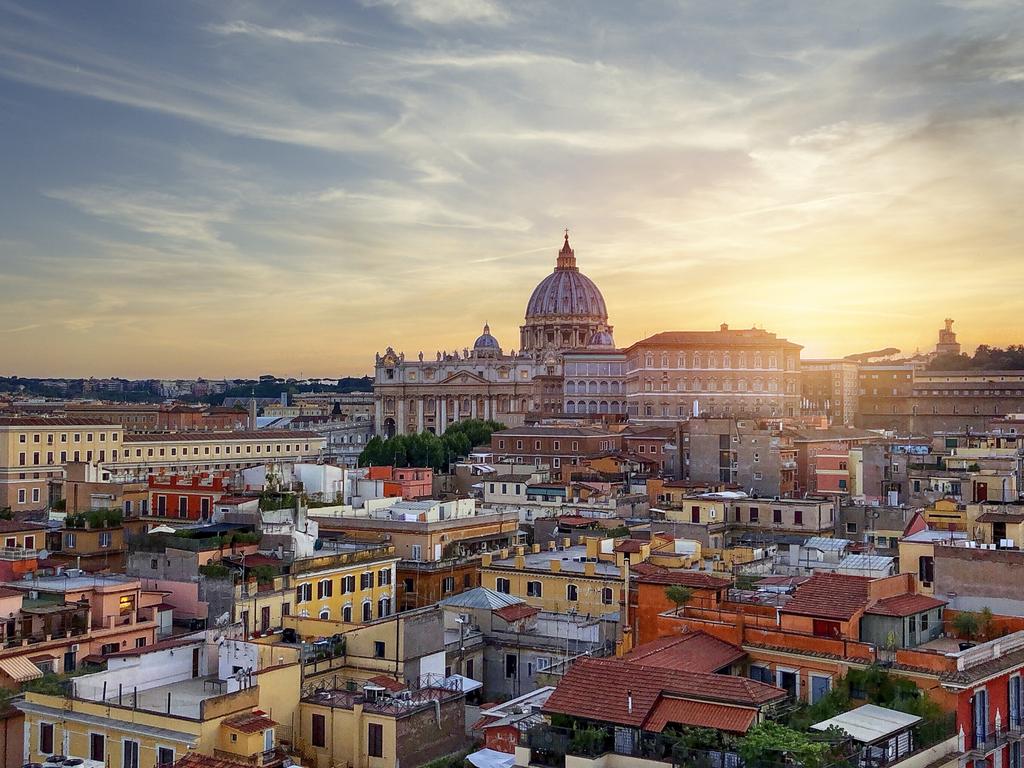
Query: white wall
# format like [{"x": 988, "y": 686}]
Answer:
[{"x": 149, "y": 670}]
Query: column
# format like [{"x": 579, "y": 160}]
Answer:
[
  {"x": 487, "y": 408},
  {"x": 400, "y": 416},
  {"x": 419, "y": 414},
  {"x": 444, "y": 416},
  {"x": 437, "y": 415},
  {"x": 472, "y": 407},
  {"x": 455, "y": 408},
  {"x": 378, "y": 425}
]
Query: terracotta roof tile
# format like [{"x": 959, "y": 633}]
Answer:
[
  {"x": 249, "y": 722},
  {"x": 690, "y": 652},
  {"x": 629, "y": 545},
  {"x": 701, "y": 714},
  {"x": 646, "y": 573},
  {"x": 196, "y": 760},
  {"x": 830, "y": 596},
  {"x": 904, "y": 605},
  {"x": 388, "y": 683},
  {"x": 511, "y": 613},
  {"x": 599, "y": 689}
]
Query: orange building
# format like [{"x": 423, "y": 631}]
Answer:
[{"x": 409, "y": 483}]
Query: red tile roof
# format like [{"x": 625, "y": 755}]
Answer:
[
  {"x": 261, "y": 434},
  {"x": 388, "y": 683},
  {"x": 511, "y": 613},
  {"x": 905, "y": 605},
  {"x": 249, "y": 722},
  {"x": 599, "y": 689},
  {"x": 196, "y": 760},
  {"x": 690, "y": 652},
  {"x": 646, "y": 573},
  {"x": 16, "y": 526},
  {"x": 699, "y": 713},
  {"x": 629, "y": 545},
  {"x": 830, "y": 596}
]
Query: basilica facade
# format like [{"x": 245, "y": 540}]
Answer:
[{"x": 566, "y": 313}]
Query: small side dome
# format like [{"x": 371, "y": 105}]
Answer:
[
  {"x": 485, "y": 340},
  {"x": 601, "y": 339}
]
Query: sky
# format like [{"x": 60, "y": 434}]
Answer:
[{"x": 236, "y": 188}]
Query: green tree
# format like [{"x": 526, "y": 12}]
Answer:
[
  {"x": 772, "y": 743},
  {"x": 966, "y": 624},
  {"x": 679, "y": 595}
]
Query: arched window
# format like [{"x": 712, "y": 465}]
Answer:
[
  {"x": 664, "y": 359},
  {"x": 346, "y": 613},
  {"x": 367, "y": 610},
  {"x": 603, "y": 408},
  {"x": 742, "y": 360},
  {"x": 726, "y": 360},
  {"x": 602, "y": 388},
  {"x": 649, "y": 360},
  {"x": 614, "y": 387},
  {"x": 325, "y": 614},
  {"x": 570, "y": 407},
  {"x": 592, "y": 406},
  {"x": 773, "y": 361},
  {"x": 591, "y": 387},
  {"x": 383, "y": 607},
  {"x": 607, "y": 596},
  {"x": 570, "y": 387},
  {"x": 757, "y": 360},
  {"x": 712, "y": 360},
  {"x": 741, "y": 385},
  {"x": 681, "y": 360}
]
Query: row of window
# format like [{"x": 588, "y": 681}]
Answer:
[
  {"x": 713, "y": 360},
  {"x": 287, "y": 448},
  {"x": 98, "y": 748},
  {"x": 536, "y": 589},
  {"x": 325, "y": 587},
  {"x": 23, "y": 495},
  {"x": 595, "y": 369},
  {"x": 76, "y": 456},
  {"x": 571, "y": 406},
  {"x": 713, "y": 385},
  {"x": 76, "y": 437}
]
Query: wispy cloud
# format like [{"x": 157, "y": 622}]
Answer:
[{"x": 248, "y": 29}]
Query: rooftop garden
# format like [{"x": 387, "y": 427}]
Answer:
[{"x": 94, "y": 519}]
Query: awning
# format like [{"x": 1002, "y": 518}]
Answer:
[
  {"x": 491, "y": 758},
  {"x": 465, "y": 684},
  {"x": 20, "y": 669}
]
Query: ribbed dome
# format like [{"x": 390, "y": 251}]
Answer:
[
  {"x": 567, "y": 292},
  {"x": 485, "y": 340},
  {"x": 601, "y": 339}
]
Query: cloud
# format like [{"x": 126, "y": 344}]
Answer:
[
  {"x": 248, "y": 29},
  {"x": 444, "y": 12}
]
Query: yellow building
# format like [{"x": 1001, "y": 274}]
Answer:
[
  {"x": 33, "y": 451},
  {"x": 352, "y": 587},
  {"x": 586, "y": 579},
  {"x": 917, "y": 555},
  {"x": 206, "y": 693},
  {"x": 945, "y": 515}
]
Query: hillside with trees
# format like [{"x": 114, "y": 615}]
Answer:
[{"x": 985, "y": 358}]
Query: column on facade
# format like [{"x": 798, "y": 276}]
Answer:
[
  {"x": 444, "y": 415},
  {"x": 472, "y": 407},
  {"x": 487, "y": 408},
  {"x": 437, "y": 414},
  {"x": 420, "y": 405},
  {"x": 378, "y": 425},
  {"x": 400, "y": 416},
  {"x": 455, "y": 408}
]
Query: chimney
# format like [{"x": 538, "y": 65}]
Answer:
[
  {"x": 520, "y": 550},
  {"x": 520, "y": 562},
  {"x": 485, "y": 560},
  {"x": 629, "y": 702},
  {"x": 535, "y": 548},
  {"x": 551, "y": 545},
  {"x": 567, "y": 542},
  {"x": 556, "y": 566},
  {"x": 589, "y": 569}
]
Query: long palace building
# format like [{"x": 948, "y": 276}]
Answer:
[{"x": 568, "y": 364}]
